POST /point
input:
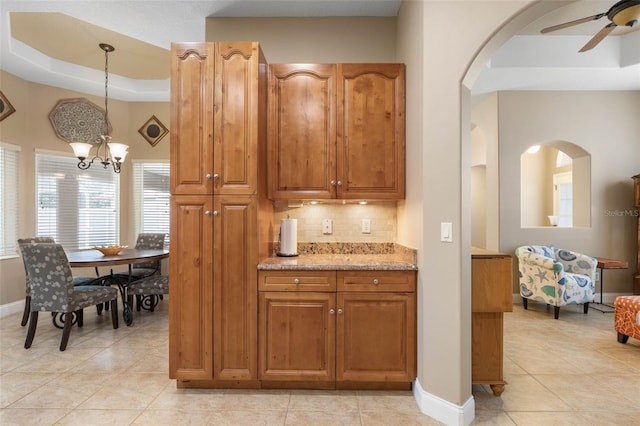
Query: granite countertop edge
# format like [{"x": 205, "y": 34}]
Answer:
[{"x": 398, "y": 258}]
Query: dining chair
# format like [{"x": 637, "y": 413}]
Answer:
[
  {"x": 27, "y": 299},
  {"x": 52, "y": 290},
  {"x": 147, "y": 291},
  {"x": 148, "y": 241}
]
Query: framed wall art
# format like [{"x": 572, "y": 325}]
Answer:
[
  {"x": 153, "y": 130},
  {"x": 6, "y": 109}
]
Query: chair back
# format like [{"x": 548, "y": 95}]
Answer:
[
  {"x": 32, "y": 240},
  {"x": 150, "y": 241},
  {"x": 49, "y": 276}
]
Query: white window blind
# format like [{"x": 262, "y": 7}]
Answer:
[
  {"x": 78, "y": 208},
  {"x": 151, "y": 197},
  {"x": 9, "y": 218}
]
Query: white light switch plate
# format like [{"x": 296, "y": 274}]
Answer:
[
  {"x": 366, "y": 226},
  {"x": 327, "y": 227},
  {"x": 446, "y": 232}
]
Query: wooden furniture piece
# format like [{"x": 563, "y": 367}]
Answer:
[
  {"x": 603, "y": 264},
  {"x": 491, "y": 293},
  {"x": 337, "y": 329},
  {"x": 218, "y": 150},
  {"x": 92, "y": 258},
  {"x": 636, "y": 191},
  {"x": 336, "y": 131}
]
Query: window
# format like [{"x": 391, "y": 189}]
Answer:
[
  {"x": 9, "y": 218},
  {"x": 78, "y": 208},
  {"x": 151, "y": 197},
  {"x": 563, "y": 198}
]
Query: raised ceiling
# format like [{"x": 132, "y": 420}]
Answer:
[{"x": 56, "y": 43}]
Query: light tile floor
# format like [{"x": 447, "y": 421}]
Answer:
[{"x": 564, "y": 372}]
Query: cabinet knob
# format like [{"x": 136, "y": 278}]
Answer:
[
  {"x": 207, "y": 212},
  {"x": 333, "y": 183},
  {"x": 339, "y": 183},
  {"x": 216, "y": 176},
  {"x": 339, "y": 311},
  {"x": 296, "y": 281},
  {"x": 208, "y": 176},
  {"x": 375, "y": 281},
  {"x": 332, "y": 311},
  {"x": 215, "y": 212}
]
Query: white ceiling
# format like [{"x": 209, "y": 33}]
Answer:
[{"x": 530, "y": 61}]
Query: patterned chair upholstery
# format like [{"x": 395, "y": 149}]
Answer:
[
  {"x": 27, "y": 300},
  {"x": 147, "y": 291},
  {"x": 52, "y": 290},
  {"x": 627, "y": 317},
  {"x": 556, "y": 277},
  {"x": 149, "y": 242}
]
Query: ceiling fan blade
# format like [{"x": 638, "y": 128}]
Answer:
[
  {"x": 572, "y": 23},
  {"x": 598, "y": 37}
]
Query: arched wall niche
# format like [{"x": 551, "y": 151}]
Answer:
[{"x": 553, "y": 194}]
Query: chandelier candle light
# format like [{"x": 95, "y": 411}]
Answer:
[{"x": 117, "y": 151}]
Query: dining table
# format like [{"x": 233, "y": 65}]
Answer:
[{"x": 92, "y": 258}]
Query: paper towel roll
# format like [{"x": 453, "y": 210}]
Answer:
[{"x": 289, "y": 237}]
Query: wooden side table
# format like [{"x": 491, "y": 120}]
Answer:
[{"x": 604, "y": 263}]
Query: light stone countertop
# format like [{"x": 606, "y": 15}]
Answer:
[{"x": 351, "y": 256}]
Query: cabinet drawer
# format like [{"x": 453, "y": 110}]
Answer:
[
  {"x": 297, "y": 280},
  {"x": 396, "y": 281}
]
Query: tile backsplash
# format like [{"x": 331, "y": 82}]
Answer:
[{"x": 346, "y": 220}]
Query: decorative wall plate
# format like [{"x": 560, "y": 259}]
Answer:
[
  {"x": 78, "y": 120},
  {"x": 6, "y": 109},
  {"x": 153, "y": 130}
]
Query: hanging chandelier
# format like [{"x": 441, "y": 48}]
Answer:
[{"x": 107, "y": 153}]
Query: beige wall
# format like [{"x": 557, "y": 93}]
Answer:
[
  {"x": 485, "y": 224},
  {"x": 29, "y": 128},
  {"x": 604, "y": 124},
  {"x": 317, "y": 40}
]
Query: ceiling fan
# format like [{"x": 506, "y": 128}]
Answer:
[{"x": 623, "y": 13}]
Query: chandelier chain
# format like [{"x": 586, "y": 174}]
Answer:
[{"x": 106, "y": 91}]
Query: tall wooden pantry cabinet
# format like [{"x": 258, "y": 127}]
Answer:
[{"x": 218, "y": 150}]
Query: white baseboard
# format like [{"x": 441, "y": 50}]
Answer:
[
  {"x": 11, "y": 308},
  {"x": 443, "y": 410}
]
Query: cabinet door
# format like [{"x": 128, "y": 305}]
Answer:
[
  {"x": 191, "y": 151},
  {"x": 376, "y": 337},
  {"x": 236, "y": 118},
  {"x": 191, "y": 282},
  {"x": 297, "y": 336},
  {"x": 370, "y": 131},
  {"x": 302, "y": 139},
  {"x": 235, "y": 288}
]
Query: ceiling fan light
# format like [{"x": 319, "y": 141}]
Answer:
[{"x": 628, "y": 16}]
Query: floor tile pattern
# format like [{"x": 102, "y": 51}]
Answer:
[{"x": 570, "y": 371}]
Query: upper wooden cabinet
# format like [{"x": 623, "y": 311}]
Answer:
[
  {"x": 214, "y": 117},
  {"x": 302, "y": 131},
  {"x": 336, "y": 131},
  {"x": 192, "y": 76},
  {"x": 370, "y": 131}
]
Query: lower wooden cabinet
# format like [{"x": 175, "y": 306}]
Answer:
[
  {"x": 297, "y": 332},
  {"x": 213, "y": 309},
  {"x": 337, "y": 337}
]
